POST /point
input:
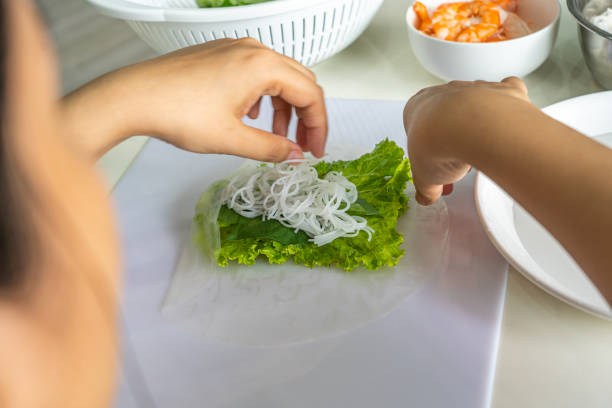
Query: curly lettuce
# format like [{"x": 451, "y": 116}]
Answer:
[
  {"x": 226, "y": 3},
  {"x": 380, "y": 177}
]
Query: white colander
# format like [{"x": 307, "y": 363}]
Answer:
[{"x": 307, "y": 30}]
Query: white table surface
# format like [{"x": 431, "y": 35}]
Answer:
[
  {"x": 233, "y": 344},
  {"x": 551, "y": 355}
]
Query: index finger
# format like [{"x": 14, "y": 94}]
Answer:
[{"x": 306, "y": 95}]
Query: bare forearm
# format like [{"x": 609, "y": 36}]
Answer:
[
  {"x": 560, "y": 176},
  {"x": 196, "y": 98},
  {"x": 96, "y": 116}
]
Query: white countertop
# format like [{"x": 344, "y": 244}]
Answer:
[{"x": 551, "y": 355}]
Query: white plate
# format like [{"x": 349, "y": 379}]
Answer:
[{"x": 526, "y": 245}]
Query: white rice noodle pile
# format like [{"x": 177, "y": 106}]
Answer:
[{"x": 293, "y": 194}]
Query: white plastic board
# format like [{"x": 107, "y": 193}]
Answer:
[{"x": 436, "y": 349}]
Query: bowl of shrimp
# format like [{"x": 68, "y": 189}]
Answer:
[{"x": 482, "y": 39}]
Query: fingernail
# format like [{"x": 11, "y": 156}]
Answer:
[
  {"x": 423, "y": 200},
  {"x": 295, "y": 154}
]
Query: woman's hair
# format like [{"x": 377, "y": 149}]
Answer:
[{"x": 12, "y": 236}]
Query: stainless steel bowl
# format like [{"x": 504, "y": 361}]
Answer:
[{"x": 596, "y": 43}]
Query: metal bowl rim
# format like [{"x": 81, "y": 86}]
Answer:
[{"x": 571, "y": 5}]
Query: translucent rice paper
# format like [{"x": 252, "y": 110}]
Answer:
[
  {"x": 208, "y": 206},
  {"x": 268, "y": 305}
]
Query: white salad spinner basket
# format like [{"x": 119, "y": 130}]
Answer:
[{"x": 307, "y": 30}]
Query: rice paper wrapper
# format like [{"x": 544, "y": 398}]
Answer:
[
  {"x": 271, "y": 305},
  {"x": 208, "y": 239}
]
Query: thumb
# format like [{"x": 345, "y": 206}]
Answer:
[{"x": 263, "y": 146}]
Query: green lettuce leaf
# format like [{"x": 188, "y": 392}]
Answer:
[
  {"x": 361, "y": 207},
  {"x": 380, "y": 177},
  {"x": 226, "y": 3},
  {"x": 235, "y": 227}
]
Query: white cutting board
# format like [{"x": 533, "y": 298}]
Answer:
[{"x": 437, "y": 349}]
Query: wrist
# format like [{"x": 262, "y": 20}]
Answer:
[
  {"x": 479, "y": 129},
  {"x": 97, "y": 116}
]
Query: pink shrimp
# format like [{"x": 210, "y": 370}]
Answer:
[
  {"x": 447, "y": 21},
  {"x": 473, "y": 21},
  {"x": 507, "y": 5},
  {"x": 424, "y": 24},
  {"x": 478, "y": 33},
  {"x": 477, "y": 12}
]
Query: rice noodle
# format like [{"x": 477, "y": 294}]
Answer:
[{"x": 292, "y": 193}]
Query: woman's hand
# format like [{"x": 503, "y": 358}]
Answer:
[
  {"x": 196, "y": 98},
  {"x": 436, "y": 117}
]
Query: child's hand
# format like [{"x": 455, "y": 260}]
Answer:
[
  {"x": 195, "y": 99},
  {"x": 436, "y": 117},
  {"x": 558, "y": 175}
]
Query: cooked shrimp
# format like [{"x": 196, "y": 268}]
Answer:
[
  {"x": 474, "y": 21},
  {"x": 424, "y": 23},
  {"x": 484, "y": 19},
  {"x": 478, "y": 33},
  {"x": 478, "y": 12},
  {"x": 507, "y": 5},
  {"x": 447, "y": 21}
]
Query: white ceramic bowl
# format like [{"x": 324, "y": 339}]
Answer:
[{"x": 492, "y": 61}]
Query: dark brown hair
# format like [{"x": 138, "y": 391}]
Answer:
[{"x": 12, "y": 256}]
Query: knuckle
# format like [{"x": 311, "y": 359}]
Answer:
[
  {"x": 311, "y": 74},
  {"x": 514, "y": 82},
  {"x": 248, "y": 41},
  {"x": 261, "y": 57},
  {"x": 276, "y": 152},
  {"x": 218, "y": 41},
  {"x": 269, "y": 54},
  {"x": 408, "y": 109},
  {"x": 320, "y": 91},
  {"x": 254, "y": 62},
  {"x": 422, "y": 92}
]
